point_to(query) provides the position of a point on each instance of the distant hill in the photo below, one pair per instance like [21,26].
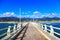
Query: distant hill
[17,19]
[44,18]
[48,18]
[9,19]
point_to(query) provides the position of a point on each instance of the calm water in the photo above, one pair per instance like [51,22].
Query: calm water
[55,25]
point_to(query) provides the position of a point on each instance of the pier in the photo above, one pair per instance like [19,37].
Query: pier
[30,31]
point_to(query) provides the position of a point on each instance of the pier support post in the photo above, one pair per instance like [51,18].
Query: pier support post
[45,29]
[8,31]
[18,26]
[14,29]
[51,31]
[21,25]
[42,26]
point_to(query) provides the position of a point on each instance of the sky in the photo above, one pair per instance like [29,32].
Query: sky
[30,8]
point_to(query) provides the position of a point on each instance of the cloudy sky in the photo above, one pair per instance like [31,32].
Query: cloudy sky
[30,8]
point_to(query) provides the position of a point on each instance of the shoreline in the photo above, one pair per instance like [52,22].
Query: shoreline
[50,22]
[11,22]
[35,21]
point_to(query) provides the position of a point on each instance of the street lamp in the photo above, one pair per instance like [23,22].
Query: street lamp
[20,17]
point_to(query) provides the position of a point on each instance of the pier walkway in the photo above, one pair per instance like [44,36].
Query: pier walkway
[31,33]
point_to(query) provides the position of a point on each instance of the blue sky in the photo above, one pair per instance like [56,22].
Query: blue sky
[40,8]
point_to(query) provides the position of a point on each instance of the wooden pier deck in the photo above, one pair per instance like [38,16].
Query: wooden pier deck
[30,33]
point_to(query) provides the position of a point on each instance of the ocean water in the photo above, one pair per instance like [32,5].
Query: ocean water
[5,25]
[55,25]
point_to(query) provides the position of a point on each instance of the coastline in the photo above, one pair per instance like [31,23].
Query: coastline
[9,22]
[49,21]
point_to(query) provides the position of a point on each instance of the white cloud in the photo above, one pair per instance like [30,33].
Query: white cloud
[36,12]
[7,14]
[51,15]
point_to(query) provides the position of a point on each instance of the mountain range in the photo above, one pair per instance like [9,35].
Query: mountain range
[9,19]
[17,19]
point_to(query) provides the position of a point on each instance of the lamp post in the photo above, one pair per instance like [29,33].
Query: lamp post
[33,18]
[20,18]
[20,14]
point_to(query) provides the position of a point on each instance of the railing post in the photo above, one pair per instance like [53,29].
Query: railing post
[42,26]
[51,31]
[18,26]
[14,29]
[45,29]
[8,31]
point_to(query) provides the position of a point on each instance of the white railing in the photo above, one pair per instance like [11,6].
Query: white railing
[52,32]
[9,31]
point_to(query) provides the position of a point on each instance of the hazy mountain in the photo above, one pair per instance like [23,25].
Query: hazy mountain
[17,19]
[8,18]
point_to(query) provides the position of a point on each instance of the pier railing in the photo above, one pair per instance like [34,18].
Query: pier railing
[46,28]
[50,29]
[10,30]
